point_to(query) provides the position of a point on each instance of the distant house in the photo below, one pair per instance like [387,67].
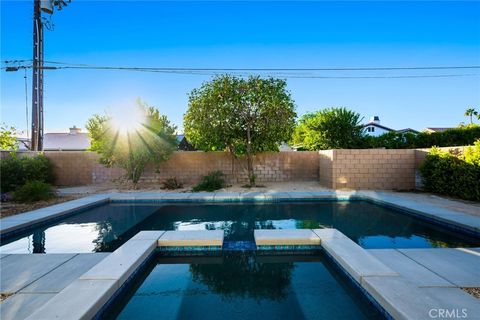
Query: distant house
[74,140]
[432,130]
[375,129]
[408,130]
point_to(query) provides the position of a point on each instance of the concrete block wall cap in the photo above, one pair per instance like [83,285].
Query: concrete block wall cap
[82,299]
[358,262]
[191,238]
[148,235]
[286,237]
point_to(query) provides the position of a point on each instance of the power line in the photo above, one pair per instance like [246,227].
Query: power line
[66,65]
[295,73]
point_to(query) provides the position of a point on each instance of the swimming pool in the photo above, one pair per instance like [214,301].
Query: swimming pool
[242,286]
[104,228]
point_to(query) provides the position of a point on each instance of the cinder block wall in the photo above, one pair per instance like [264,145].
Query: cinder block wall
[190,167]
[368,169]
[73,168]
[325,167]
[344,168]
[374,169]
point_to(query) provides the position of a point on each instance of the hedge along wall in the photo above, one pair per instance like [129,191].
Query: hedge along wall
[74,168]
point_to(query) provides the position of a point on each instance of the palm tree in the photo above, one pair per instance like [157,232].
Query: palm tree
[470,112]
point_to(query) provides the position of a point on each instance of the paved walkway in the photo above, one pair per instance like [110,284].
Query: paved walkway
[438,274]
[33,279]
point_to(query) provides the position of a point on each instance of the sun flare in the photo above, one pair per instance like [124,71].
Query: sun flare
[128,119]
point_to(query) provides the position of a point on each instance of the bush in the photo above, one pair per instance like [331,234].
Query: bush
[34,191]
[461,136]
[17,171]
[211,182]
[330,128]
[171,184]
[451,174]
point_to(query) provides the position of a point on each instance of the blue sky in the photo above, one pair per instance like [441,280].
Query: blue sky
[249,35]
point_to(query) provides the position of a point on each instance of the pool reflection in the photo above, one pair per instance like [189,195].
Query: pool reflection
[105,228]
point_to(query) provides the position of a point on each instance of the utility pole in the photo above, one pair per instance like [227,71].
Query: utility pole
[37,68]
[36,143]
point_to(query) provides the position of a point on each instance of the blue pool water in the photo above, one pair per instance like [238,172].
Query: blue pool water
[243,286]
[106,227]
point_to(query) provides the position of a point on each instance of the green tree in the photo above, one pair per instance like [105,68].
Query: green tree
[133,139]
[242,116]
[331,128]
[8,140]
[470,112]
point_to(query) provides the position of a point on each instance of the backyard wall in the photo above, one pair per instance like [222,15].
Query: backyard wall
[73,168]
[368,169]
[343,168]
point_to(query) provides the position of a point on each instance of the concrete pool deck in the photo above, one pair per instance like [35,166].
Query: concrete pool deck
[33,279]
[404,283]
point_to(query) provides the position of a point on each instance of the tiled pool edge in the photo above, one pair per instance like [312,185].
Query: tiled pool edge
[10,226]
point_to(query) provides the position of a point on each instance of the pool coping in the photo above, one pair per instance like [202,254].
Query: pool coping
[454,220]
[90,295]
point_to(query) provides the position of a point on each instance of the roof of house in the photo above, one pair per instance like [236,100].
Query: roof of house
[66,141]
[377,125]
[436,129]
[407,130]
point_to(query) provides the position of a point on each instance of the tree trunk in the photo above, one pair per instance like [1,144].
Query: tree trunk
[251,174]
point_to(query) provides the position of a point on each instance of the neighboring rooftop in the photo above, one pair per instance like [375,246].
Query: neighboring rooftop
[431,130]
[73,140]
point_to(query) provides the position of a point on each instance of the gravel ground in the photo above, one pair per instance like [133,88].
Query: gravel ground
[473,291]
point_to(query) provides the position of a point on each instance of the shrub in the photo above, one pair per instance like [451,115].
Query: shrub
[17,171]
[330,128]
[171,184]
[34,191]
[211,182]
[461,136]
[132,139]
[456,175]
